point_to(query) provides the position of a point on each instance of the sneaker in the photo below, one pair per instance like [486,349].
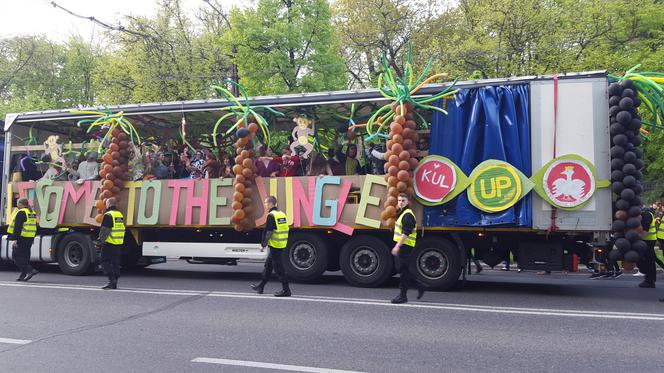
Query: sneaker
[21,277]
[283,293]
[638,274]
[618,274]
[607,275]
[399,299]
[110,285]
[595,276]
[257,288]
[29,275]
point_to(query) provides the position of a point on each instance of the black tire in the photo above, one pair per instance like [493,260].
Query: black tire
[436,262]
[366,261]
[75,252]
[306,257]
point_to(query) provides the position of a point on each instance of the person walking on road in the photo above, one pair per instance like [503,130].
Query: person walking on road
[275,236]
[659,224]
[646,262]
[23,229]
[405,236]
[111,239]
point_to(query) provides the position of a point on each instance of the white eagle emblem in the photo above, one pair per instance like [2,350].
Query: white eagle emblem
[568,188]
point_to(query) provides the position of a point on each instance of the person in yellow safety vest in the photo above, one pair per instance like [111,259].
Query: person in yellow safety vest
[23,229]
[405,236]
[275,235]
[646,262]
[110,241]
[660,223]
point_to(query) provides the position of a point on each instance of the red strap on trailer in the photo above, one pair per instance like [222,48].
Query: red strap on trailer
[553,227]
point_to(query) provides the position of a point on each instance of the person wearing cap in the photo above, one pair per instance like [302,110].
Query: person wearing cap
[23,229]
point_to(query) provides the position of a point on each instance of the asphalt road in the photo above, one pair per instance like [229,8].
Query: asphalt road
[177,317]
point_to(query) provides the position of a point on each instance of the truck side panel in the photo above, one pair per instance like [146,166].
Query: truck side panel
[582,127]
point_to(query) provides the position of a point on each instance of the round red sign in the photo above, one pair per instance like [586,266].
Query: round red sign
[568,183]
[435,178]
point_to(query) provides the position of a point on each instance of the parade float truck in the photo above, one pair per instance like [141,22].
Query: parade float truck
[518,165]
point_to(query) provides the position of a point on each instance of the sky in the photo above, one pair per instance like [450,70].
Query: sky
[20,17]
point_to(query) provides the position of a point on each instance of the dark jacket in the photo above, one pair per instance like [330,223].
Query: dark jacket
[270,225]
[646,219]
[19,220]
[408,223]
[342,162]
[108,219]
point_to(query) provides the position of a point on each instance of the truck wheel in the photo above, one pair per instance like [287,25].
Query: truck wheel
[307,257]
[365,261]
[75,254]
[436,262]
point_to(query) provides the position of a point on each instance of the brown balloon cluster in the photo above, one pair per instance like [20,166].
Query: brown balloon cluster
[401,160]
[245,173]
[114,170]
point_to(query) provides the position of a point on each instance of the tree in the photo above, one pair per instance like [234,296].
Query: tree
[162,59]
[30,68]
[286,46]
[369,28]
[77,73]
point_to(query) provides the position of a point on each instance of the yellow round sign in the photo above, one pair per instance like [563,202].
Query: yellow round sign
[494,188]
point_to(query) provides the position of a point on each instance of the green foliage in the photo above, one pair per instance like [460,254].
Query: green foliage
[163,59]
[286,46]
[282,46]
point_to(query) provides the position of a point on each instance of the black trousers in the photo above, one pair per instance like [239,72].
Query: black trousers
[274,262]
[473,258]
[405,277]
[646,263]
[21,254]
[110,260]
[659,262]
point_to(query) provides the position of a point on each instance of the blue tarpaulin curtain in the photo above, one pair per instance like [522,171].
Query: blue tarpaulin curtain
[483,123]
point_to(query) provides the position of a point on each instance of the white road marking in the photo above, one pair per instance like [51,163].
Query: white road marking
[363,302]
[15,341]
[258,364]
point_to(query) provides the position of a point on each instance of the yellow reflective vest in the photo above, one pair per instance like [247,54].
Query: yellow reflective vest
[279,238]
[651,235]
[29,229]
[660,230]
[118,231]
[398,230]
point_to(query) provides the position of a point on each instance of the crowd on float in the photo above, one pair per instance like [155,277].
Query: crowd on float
[151,161]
